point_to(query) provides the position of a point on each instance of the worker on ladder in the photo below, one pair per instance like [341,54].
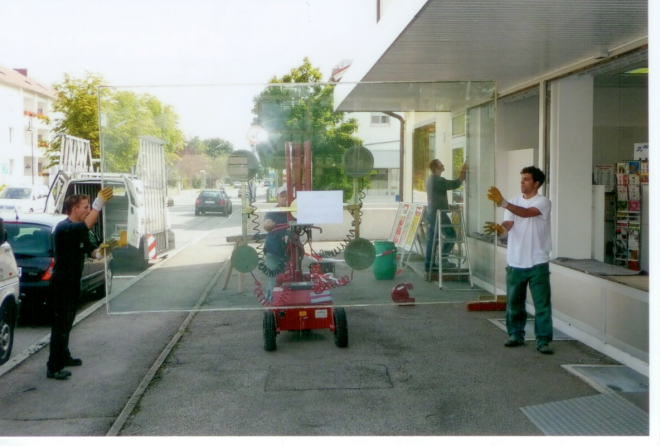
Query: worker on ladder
[436,190]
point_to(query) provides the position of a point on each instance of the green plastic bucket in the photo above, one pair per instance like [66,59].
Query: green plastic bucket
[385,264]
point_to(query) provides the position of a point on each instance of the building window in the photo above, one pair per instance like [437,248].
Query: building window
[11,134]
[458,125]
[378,119]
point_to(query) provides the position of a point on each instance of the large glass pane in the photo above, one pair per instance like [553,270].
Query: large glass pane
[190,204]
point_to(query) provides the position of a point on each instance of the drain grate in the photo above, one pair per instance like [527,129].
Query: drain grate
[601,415]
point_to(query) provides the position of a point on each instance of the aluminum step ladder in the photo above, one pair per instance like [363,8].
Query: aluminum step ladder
[459,254]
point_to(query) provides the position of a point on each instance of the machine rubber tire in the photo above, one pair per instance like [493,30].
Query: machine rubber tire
[7,326]
[270,331]
[341,327]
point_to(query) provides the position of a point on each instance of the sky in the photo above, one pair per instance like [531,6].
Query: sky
[184,43]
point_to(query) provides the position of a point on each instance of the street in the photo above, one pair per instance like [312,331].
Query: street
[187,228]
[408,370]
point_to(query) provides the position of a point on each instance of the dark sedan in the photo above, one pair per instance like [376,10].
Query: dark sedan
[30,236]
[212,200]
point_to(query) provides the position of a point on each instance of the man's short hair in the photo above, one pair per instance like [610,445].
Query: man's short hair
[537,174]
[433,164]
[72,201]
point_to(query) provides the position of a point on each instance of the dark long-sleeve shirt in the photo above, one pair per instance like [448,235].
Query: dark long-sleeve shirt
[436,190]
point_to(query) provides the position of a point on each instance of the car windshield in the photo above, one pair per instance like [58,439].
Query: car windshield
[29,239]
[210,194]
[16,193]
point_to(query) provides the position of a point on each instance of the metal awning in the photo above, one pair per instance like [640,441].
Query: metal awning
[511,42]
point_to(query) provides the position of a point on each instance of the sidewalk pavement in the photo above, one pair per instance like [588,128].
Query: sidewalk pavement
[425,369]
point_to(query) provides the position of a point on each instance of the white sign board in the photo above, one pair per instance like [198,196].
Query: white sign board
[317,207]
[641,151]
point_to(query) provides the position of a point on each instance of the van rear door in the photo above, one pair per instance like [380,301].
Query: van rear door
[55,199]
[135,224]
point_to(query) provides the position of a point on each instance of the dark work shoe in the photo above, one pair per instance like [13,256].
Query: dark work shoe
[73,362]
[544,348]
[62,374]
[513,342]
[448,265]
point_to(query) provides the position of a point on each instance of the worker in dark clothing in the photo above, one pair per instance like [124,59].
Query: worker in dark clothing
[436,190]
[275,246]
[71,242]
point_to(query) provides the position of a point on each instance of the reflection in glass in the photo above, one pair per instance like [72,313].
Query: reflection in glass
[196,128]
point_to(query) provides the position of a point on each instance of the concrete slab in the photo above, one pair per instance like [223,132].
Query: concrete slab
[612,378]
[530,334]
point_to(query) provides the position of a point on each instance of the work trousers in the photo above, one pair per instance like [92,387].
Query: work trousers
[272,262]
[63,304]
[448,232]
[538,279]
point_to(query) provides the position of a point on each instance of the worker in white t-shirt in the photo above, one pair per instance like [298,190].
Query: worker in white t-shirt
[527,226]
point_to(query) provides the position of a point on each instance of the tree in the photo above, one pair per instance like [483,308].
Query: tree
[125,116]
[77,100]
[300,113]
[217,147]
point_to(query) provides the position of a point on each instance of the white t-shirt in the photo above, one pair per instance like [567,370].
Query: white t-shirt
[530,240]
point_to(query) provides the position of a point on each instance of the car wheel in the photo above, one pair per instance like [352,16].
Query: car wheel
[196,211]
[341,327]
[7,323]
[270,331]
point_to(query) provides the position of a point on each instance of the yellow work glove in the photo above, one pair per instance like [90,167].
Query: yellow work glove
[491,228]
[495,195]
[108,246]
[105,194]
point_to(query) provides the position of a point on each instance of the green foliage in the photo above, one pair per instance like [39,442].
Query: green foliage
[126,116]
[129,116]
[77,100]
[216,147]
[299,113]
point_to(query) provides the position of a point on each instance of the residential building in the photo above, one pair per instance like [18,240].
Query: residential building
[25,128]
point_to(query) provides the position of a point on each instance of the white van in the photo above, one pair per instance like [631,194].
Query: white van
[9,295]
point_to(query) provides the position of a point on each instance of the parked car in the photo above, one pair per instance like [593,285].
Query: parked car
[170,201]
[30,236]
[237,184]
[24,198]
[9,295]
[213,200]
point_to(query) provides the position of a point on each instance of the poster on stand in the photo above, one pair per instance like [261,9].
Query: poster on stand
[399,223]
[414,226]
